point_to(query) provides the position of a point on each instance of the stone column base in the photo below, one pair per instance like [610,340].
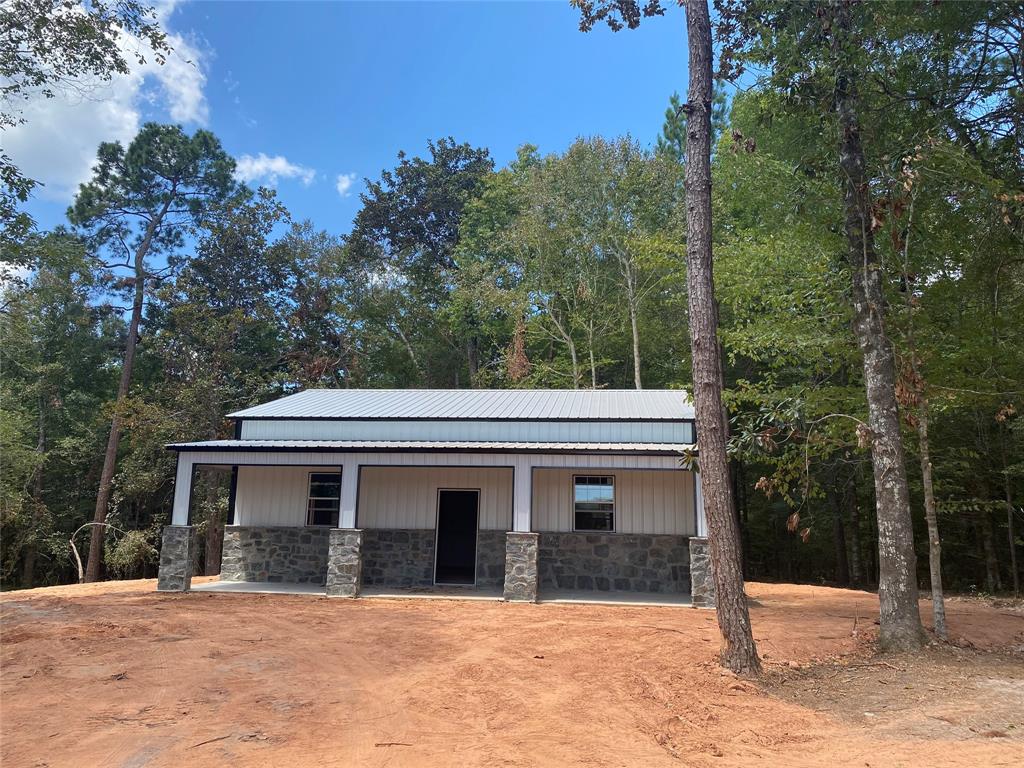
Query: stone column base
[345,562]
[176,555]
[702,583]
[521,566]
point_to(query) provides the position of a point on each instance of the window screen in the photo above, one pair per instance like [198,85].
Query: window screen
[594,503]
[324,499]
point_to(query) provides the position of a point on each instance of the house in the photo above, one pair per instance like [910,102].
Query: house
[516,492]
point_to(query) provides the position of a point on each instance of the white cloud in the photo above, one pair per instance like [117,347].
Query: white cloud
[57,143]
[268,170]
[344,183]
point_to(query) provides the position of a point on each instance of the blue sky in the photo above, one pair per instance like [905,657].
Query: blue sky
[302,93]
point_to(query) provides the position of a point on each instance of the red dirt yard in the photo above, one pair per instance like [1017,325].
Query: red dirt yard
[117,675]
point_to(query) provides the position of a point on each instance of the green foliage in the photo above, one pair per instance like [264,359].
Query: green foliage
[49,46]
[131,553]
[536,274]
[146,195]
[672,138]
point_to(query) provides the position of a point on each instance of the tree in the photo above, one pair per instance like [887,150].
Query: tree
[408,228]
[779,37]
[138,204]
[51,45]
[56,361]
[217,331]
[672,139]
[739,652]
[900,627]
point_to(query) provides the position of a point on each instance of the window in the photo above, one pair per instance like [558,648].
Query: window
[594,503]
[324,498]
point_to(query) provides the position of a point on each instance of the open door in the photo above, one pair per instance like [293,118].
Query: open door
[455,552]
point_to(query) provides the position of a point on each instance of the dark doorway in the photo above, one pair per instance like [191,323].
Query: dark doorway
[456,537]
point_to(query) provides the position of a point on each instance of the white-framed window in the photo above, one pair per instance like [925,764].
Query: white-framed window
[324,501]
[593,502]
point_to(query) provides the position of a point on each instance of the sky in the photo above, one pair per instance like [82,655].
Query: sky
[311,98]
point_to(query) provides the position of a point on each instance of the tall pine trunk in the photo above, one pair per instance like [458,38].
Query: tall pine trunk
[900,617]
[739,652]
[92,569]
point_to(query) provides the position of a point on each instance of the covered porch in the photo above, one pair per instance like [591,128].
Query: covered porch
[496,521]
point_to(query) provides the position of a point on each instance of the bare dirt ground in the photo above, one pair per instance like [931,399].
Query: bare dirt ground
[117,675]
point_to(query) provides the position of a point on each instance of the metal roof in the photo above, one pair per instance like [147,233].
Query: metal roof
[479,404]
[430,445]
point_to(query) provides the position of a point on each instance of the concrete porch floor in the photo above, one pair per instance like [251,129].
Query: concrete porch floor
[583,596]
[261,587]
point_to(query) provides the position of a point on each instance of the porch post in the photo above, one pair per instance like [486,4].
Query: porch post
[521,543]
[349,493]
[182,489]
[345,563]
[522,495]
[345,551]
[177,553]
[702,583]
[178,547]
[702,521]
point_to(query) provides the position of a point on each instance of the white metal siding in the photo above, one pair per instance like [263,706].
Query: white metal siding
[273,495]
[527,431]
[646,501]
[406,497]
[522,463]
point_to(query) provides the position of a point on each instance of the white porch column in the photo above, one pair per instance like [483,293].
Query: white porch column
[182,489]
[349,493]
[522,495]
[702,522]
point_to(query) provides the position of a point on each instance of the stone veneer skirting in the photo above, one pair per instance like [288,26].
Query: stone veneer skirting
[398,557]
[275,553]
[404,557]
[614,561]
[490,559]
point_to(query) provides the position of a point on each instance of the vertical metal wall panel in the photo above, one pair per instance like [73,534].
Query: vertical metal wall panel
[273,495]
[646,501]
[406,497]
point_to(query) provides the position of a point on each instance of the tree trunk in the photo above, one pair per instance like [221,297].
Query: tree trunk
[924,448]
[473,358]
[590,351]
[214,529]
[856,567]
[993,580]
[931,518]
[1008,496]
[900,618]
[28,567]
[570,345]
[739,653]
[741,503]
[409,349]
[92,570]
[634,327]
[842,572]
